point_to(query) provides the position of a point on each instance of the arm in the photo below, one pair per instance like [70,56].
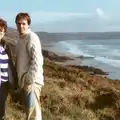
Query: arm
[35,53]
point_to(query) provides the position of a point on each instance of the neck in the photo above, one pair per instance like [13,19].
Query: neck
[22,35]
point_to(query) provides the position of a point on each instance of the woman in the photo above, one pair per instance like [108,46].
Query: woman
[3,70]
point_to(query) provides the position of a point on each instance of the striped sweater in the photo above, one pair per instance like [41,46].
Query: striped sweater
[3,65]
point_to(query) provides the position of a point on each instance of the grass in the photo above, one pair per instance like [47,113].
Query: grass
[73,94]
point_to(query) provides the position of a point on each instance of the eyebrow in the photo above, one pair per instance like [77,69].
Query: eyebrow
[20,23]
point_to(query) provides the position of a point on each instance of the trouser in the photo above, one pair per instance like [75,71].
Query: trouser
[32,101]
[3,97]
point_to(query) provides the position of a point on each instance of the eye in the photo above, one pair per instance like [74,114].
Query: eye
[18,23]
[21,24]
[24,23]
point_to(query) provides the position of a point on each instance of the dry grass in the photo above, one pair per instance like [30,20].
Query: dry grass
[73,94]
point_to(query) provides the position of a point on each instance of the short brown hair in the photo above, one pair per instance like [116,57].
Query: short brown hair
[23,15]
[3,24]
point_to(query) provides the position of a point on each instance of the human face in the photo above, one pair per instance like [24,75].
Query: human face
[2,32]
[22,26]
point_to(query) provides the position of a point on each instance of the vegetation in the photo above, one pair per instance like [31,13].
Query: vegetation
[73,93]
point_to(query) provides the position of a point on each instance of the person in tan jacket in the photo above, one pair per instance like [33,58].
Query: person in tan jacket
[29,65]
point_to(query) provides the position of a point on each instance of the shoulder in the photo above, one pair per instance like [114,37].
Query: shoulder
[33,38]
[33,35]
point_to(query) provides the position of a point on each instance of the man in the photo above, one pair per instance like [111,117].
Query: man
[29,65]
[3,70]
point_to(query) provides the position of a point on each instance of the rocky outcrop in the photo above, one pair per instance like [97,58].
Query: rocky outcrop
[54,57]
[91,70]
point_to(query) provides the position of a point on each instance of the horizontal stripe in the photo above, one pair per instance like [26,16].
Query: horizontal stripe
[4,56]
[3,61]
[4,78]
[2,81]
[4,74]
[4,69]
[4,65]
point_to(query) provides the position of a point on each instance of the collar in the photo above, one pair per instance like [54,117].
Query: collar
[22,36]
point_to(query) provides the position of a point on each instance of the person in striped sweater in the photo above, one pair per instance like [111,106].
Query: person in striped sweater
[3,70]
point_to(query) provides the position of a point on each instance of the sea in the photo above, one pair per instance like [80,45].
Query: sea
[103,54]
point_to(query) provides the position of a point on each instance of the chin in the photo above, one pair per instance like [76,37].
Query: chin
[22,33]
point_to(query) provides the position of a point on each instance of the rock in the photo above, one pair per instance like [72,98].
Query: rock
[54,57]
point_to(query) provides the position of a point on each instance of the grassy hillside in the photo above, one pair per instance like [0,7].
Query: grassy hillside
[73,93]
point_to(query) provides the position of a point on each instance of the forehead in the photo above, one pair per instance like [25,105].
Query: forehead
[22,21]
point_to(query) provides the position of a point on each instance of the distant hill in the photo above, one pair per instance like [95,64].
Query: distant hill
[11,36]
[79,35]
[49,37]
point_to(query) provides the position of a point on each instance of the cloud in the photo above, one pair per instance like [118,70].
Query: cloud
[43,17]
[61,14]
[74,21]
[101,13]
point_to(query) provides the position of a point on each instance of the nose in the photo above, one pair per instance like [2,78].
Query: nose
[21,25]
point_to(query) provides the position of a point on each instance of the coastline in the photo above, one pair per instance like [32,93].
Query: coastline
[112,72]
[69,60]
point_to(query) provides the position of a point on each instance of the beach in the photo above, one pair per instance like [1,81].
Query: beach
[102,54]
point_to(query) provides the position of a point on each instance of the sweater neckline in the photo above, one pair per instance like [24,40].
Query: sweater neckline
[23,36]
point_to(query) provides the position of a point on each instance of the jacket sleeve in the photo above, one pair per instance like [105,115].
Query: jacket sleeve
[36,59]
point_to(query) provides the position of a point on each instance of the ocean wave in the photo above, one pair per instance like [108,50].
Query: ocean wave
[101,47]
[111,62]
[114,52]
[99,52]
[72,48]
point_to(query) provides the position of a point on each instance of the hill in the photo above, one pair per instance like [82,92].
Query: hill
[72,93]
[78,36]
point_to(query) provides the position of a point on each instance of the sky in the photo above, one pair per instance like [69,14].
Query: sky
[65,15]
